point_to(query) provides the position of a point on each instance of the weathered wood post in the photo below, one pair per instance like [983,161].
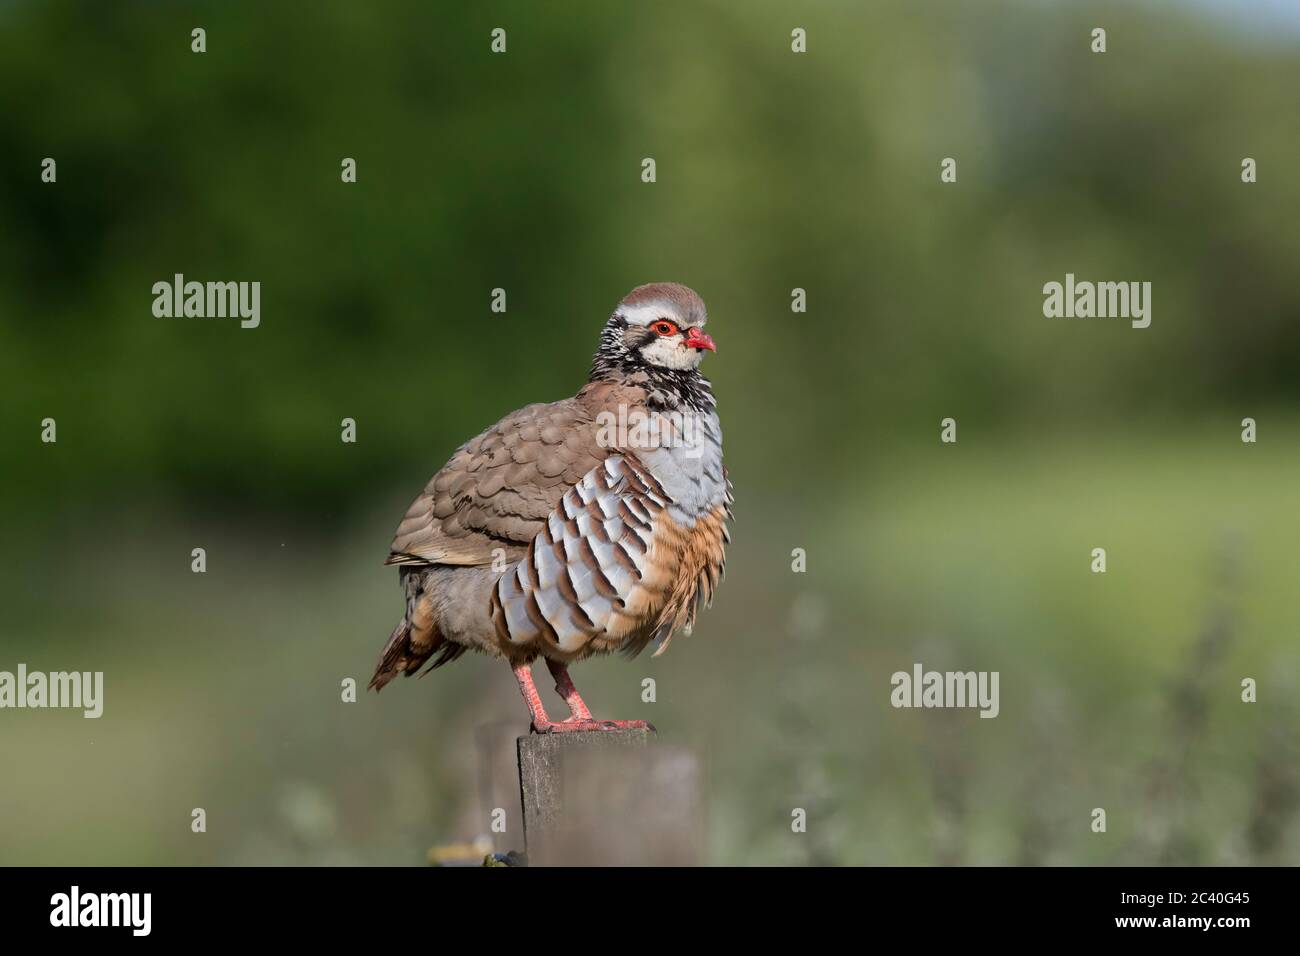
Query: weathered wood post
[609,798]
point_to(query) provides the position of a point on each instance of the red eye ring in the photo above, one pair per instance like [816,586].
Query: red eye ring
[663,327]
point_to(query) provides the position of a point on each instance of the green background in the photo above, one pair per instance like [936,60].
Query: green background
[775,171]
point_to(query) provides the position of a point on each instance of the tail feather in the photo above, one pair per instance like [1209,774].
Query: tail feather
[416,637]
[446,653]
[395,657]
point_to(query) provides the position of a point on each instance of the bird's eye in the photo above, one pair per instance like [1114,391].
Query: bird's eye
[664,327]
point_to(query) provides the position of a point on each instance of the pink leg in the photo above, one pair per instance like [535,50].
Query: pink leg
[564,687]
[524,674]
[580,719]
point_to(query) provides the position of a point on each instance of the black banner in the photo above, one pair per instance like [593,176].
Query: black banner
[332,905]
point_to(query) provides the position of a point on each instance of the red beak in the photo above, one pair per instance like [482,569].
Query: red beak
[698,339]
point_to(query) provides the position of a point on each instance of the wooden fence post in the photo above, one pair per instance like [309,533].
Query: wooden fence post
[609,798]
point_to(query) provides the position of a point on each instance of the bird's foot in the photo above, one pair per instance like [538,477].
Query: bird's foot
[574,725]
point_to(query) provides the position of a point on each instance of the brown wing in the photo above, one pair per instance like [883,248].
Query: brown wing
[497,491]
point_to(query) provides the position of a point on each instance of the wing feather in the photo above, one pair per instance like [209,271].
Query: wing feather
[498,490]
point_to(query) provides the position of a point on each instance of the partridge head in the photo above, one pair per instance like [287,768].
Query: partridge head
[658,326]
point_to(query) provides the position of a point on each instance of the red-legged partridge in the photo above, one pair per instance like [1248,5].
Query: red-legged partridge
[588,525]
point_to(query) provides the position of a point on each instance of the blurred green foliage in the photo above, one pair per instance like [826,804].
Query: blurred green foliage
[775,171]
[521,171]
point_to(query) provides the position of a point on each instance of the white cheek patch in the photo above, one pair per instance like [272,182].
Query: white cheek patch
[669,352]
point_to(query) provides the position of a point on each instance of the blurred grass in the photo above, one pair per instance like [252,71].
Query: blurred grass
[223,689]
